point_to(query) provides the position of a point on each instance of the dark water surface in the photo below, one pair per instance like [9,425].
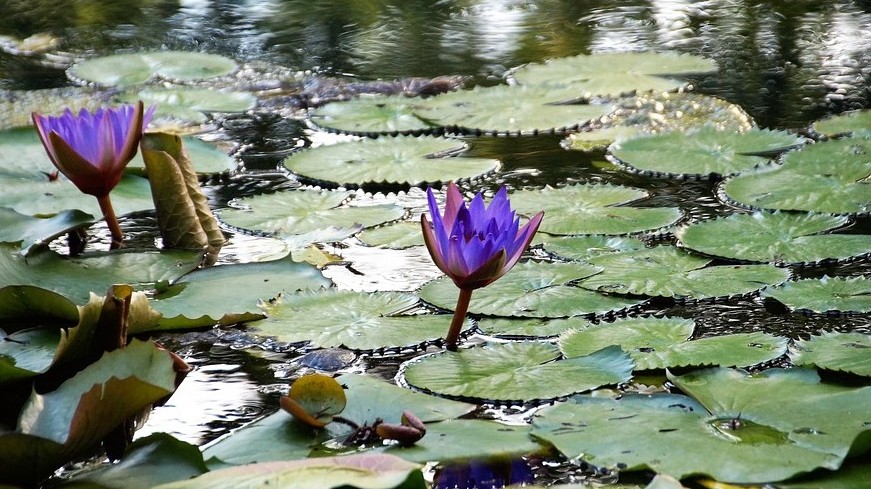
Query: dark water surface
[786,62]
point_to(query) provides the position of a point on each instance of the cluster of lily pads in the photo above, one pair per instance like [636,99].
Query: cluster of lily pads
[566,335]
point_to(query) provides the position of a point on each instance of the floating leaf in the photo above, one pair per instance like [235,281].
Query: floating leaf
[828,294]
[659,343]
[667,271]
[71,421]
[123,70]
[397,236]
[369,471]
[229,294]
[832,176]
[778,237]
[585,247]
[355,320]
[537,328]
[28,304]
[517,372]
[75,278]
[392,160]
[753,428]
[613,73]
[842,352]
[27,353]
[314,399]
[592,209]
[371,115]
[298,212]
[34,231]
[701,152]
[190,104]
[506,109]
[855,122]
[532,290]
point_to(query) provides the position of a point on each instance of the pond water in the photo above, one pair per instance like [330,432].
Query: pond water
[786,62]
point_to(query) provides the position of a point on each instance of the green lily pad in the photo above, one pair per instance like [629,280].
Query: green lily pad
[592,209]
[585,247]
[389,160]
[298,212]
[667,271]
[27,353]
[369,471]
[506,109]
[123,70]
[523,371]
[279,437]
[842,352]
[828,294]
[529,328]
[192,104]
[659,343]
[832,176]
[753,428]
[354,320]
[532,290]
[229,294]
[70,421]
[369,115]
[29,305]
[148,462]
[855,122]
[775,237]
[701,153]
[32,232]
[614,73]
[75,278]
[851,474]
[395,236]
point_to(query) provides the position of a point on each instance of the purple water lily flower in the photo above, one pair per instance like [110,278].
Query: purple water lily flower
[92,149]
[474,245]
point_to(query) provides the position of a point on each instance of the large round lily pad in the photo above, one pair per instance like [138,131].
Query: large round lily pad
[613,73]
[122,70]
[592,209]
[832,176]
[775,237]
[506,109]
[355,320]
[371,115]
[523,371]
[667,271]
[389,160]
[701,153]
[532,290]
[825,295]
[659,343]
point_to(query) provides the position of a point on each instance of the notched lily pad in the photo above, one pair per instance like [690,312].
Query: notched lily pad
[396,236]
[529,328]
[832,176]
[842,352]
[613,74]
[585,247]
[123,70]
[856,122]
[389,160]
[660,343]
[700,153]
[192,104]
[775,237]
[593,209]
[506,110]
[533,290]
[354,320]
[372,115]
[524,371]
[825,295]
[666,271]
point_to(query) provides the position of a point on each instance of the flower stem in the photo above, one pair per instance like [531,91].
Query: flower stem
[111,221]
[459,317]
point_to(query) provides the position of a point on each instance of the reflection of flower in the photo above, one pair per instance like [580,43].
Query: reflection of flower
[92,149]
[474,245]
